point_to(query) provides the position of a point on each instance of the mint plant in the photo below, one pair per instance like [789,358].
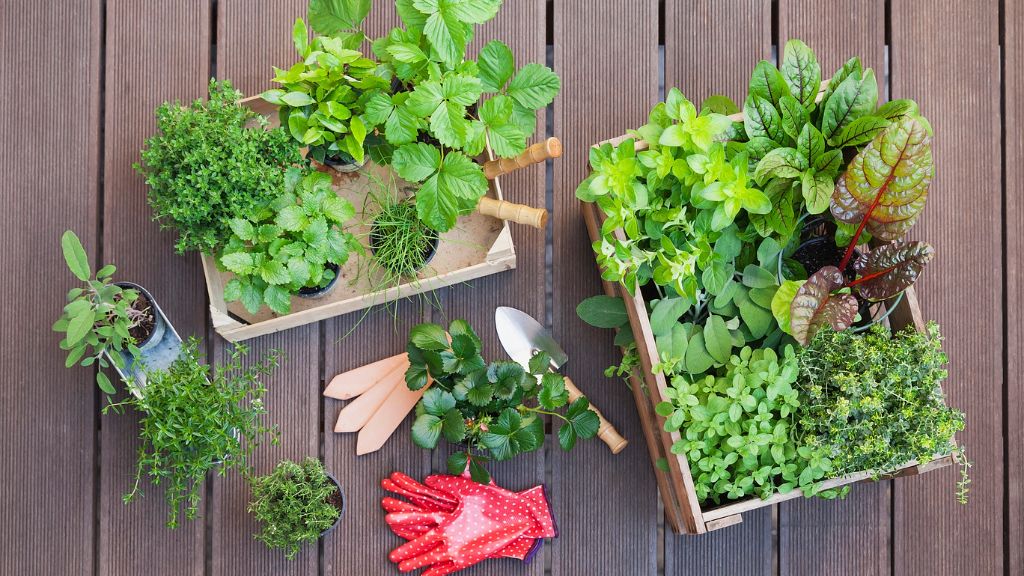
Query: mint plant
[322,98]
[495,410]
[294,504]
[212,161]
[288,245]
[194,421]
[100,317]
[432,117]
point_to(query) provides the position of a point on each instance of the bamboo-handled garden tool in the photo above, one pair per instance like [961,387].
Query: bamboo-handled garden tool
[522,336]
[518,213]
[539,152]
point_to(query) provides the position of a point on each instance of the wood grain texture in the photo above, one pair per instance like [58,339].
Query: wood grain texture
[825,536]
[50,72]
[293,397]
[251,38]
[520,25]
[1013,82]
[962,288]
[711,46]
[704,57]
[171,64]
[607,55]
[856,28]
[361,542]
[742,549]
[850,536]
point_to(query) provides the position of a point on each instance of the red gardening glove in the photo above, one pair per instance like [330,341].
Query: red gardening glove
[411,520]
[487,522]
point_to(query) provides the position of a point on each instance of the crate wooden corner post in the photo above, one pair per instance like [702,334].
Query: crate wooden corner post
[477,246]
[675,482]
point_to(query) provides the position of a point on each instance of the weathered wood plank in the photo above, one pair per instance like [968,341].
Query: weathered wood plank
[49,425]
[251,38]
[171,64]
[705,56]
[932,533]
[361,542]
[819,536]
[711,46]
[520,25]
[1013,82]
[606,53]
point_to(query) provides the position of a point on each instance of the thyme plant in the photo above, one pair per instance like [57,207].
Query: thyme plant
[294,504]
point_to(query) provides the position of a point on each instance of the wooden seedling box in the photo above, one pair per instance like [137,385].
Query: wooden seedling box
[683,511]
[477,246]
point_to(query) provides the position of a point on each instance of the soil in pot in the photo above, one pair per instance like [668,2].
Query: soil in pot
[400,242]
[318,292]
[820,251]
[143,314]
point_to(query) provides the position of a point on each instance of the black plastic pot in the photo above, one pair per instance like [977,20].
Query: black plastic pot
[321,292]
[159,350]
[341,506]
[345,164]
[816,252]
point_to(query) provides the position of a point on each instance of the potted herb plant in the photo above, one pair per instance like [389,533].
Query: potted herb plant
[745,235]
[322,99]
[212,162]
[296,504]
[495,410]
[295,245]
[107,323]
[195,420]
[400,243]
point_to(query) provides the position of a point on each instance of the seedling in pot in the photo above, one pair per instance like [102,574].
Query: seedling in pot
[296,504]
[101,318]
[294,243]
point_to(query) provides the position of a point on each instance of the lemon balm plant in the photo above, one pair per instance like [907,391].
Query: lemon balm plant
[295,243]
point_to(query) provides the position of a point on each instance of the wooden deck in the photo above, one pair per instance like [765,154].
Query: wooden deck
[80,79]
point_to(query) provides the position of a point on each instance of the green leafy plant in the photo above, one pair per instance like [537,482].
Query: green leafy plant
[434,119]
[400,241]
[874,401]
[496,410]
[99,318]
[883,190]
[213,161]
[194,421]
[797,140]
[736,428]
[294,504]
[288,245]
[322,99]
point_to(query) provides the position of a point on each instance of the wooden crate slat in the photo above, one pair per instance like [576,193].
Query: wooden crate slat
[172,63]
[821,536]
[249,42]
[1013,82]
[606,54]
[50,67]
[962,288]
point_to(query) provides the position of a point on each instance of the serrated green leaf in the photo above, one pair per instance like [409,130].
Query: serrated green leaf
[552,393]
[238,262]
[429,337]
[534,86]
[278,299]
[426,431]
[416,162]
[496,66]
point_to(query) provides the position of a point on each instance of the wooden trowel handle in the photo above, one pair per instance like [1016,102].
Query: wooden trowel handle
[606,432]
[539,152]
[518,213]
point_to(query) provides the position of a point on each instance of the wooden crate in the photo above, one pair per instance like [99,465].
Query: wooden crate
[477,246]
[682,510]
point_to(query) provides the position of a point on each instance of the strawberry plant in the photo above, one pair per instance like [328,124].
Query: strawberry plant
[429,110]
[495,410]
